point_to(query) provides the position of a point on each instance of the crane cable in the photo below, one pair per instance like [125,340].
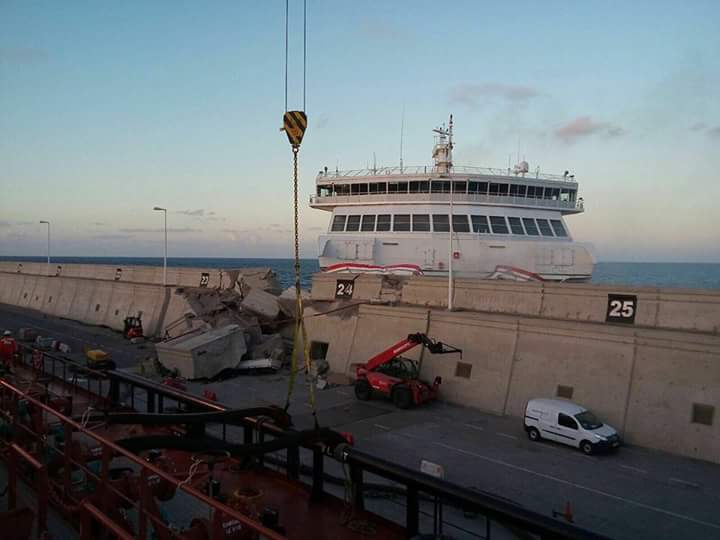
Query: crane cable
[294,125]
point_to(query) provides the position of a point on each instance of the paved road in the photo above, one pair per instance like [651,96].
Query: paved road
[633,494]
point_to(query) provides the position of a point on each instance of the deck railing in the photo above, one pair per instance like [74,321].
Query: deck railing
[415,170]
[424,198]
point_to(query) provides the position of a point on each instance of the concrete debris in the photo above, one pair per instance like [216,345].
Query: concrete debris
[261,303]
[321,384]
[268,347]
[318,367]
[259,278]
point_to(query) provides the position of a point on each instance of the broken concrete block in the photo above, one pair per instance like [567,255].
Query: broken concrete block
[268,344]
[318,367]
[321,384]
[261,303]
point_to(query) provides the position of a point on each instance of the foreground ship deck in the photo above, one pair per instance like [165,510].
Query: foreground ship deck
[78,438]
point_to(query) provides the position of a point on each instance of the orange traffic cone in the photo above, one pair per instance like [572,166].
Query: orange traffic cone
[566,514]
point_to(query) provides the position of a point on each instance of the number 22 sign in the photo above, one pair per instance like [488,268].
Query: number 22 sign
[621,308]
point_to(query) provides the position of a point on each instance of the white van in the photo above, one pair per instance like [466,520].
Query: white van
[568,423]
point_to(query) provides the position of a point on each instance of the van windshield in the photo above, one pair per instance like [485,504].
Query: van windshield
[588,420]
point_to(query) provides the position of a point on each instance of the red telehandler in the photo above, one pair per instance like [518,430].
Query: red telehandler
[398,378]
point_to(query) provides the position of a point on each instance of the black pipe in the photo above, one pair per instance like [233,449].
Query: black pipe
[231,416]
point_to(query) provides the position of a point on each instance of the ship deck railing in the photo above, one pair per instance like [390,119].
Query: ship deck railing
[417,170]
[424,198]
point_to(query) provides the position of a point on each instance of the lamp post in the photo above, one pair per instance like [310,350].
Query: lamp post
[48,245]
[164,211]
[451,254]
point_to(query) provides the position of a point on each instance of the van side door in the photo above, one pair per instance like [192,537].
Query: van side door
[567,430]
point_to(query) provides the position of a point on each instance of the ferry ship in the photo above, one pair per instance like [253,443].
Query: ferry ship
[506,223]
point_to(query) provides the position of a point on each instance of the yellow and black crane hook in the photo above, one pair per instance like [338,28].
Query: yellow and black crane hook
[294,125]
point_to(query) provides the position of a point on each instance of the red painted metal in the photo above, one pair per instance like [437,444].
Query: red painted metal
[110,448]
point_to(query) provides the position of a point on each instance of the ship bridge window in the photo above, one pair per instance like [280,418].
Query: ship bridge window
[544,226]
[515,225]
[441,222]
[383,222]
[565,195]
[359,189]
[478,187]
[438,186]
[353,224]
[420,187]
[368,223]
[558,227]
[517,190]
[401,222]
[460,187]
[342,189]
[554,193]
[530,226]
[498,224]
[397,187]
[378,187]
[460,223]
[338,224]
[480,224]
[498,189]
[531,192]
[421,222]
[324,191]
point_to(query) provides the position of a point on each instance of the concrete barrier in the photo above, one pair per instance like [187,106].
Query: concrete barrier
[677,309]
[176,276]
[647,382]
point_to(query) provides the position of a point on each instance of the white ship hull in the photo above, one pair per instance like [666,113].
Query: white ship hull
[473,256]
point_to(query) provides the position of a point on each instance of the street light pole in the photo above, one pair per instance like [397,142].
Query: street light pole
[48,245]
[164,210]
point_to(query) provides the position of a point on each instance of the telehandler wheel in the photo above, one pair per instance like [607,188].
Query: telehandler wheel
[362,390]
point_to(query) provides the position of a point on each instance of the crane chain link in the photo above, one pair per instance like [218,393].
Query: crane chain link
[300,330]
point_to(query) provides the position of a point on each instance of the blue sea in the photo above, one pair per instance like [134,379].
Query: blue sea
[684,275]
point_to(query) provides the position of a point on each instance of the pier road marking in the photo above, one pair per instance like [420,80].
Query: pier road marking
[581,487]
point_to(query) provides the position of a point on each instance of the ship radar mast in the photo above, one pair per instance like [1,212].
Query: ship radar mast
[442,152]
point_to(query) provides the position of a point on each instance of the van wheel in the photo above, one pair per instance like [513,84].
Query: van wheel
[362,390]
[586,448]
[402,398]
[533,434]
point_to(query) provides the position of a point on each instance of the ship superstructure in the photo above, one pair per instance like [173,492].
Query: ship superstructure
[504,221]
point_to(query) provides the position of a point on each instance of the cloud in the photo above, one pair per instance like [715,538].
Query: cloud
[714,132]
[98,224]
[4,223]
[700,126]
[113,237]
[585,126]
[200,212]
[170,230]
[22,56]
[470,94]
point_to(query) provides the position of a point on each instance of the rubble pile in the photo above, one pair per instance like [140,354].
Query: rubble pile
[238,327]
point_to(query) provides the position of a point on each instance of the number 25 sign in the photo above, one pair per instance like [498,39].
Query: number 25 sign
[621,308]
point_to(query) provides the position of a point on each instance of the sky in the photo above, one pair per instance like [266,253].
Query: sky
[108,109]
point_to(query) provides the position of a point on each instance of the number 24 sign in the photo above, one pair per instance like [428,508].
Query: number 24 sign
[344,288]
[621,308]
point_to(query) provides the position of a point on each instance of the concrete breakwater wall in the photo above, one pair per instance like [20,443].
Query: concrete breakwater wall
[92,301]
[106,294]
[676,309]
[656,380]
[149,275]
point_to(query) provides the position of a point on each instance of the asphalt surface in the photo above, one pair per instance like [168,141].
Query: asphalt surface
[634,493]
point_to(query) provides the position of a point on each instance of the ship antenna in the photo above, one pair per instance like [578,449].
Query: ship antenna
[402,131]
[374,163]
